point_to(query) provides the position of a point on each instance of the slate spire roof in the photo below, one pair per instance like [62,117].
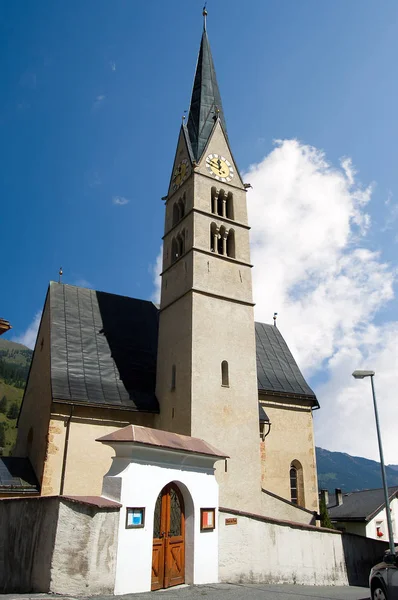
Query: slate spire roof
[205,101]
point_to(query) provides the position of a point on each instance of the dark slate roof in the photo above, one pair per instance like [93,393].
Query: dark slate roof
[103,348]
[277,371]
[205,101]
[262,415]
[359,506]
[17,475]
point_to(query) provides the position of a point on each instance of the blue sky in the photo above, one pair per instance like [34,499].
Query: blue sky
[91,104]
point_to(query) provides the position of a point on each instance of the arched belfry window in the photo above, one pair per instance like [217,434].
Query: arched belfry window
[229,206]
[176,213]
[231,243]
[214,199]
[174,250]
[224,374]
[296,483]
[213,237]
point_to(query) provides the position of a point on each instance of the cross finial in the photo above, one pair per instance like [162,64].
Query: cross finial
[204,13]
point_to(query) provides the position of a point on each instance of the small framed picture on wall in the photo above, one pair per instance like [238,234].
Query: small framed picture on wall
[207,519]
[135,518]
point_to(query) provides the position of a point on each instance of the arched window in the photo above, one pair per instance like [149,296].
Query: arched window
[173,377]
[296,483]
[224,373]
[213,237]
[221,203]
[231,243]
[214,199]
[221,242]
[181,243]
[293,485]
[174,250]
[176,213]
[181,205]
[230,206]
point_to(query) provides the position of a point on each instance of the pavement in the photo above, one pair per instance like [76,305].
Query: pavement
[227,591]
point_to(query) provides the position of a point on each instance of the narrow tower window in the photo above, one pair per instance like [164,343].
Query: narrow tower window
[213,237]
[293,485]
[174,250]
[296,483]
[173,377]
[224,374]
[231,243]
[181,205]
[214,199]
[221,203]
[230,206]
[176,213]
[222,241]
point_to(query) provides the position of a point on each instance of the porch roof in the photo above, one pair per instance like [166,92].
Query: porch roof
[147,436]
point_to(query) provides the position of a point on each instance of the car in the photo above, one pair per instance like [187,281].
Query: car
[383,578]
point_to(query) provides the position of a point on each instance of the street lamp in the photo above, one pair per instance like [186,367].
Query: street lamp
[362,375]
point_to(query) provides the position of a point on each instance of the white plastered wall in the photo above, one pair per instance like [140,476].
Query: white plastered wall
[136,477]
[380,519]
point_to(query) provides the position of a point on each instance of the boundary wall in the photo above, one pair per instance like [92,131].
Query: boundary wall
[257,549]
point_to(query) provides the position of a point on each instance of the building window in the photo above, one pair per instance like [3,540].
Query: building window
[178,246]
[231,243]
[222,203]
[173,377]
[176,213]
[293,485]
[224,374]
[296,483]
[229,210]
[178,210]
[222,240]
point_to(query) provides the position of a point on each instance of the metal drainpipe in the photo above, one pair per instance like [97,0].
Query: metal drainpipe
[61,490]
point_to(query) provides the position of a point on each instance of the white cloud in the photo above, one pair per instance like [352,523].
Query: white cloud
[98,101]
[28,337]
[112,65]
[120,200]
[309,221]
[155,271]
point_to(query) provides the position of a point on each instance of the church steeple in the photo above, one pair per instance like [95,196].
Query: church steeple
[206,103]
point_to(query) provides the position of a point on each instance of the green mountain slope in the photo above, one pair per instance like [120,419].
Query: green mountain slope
[350,473]
[14,368]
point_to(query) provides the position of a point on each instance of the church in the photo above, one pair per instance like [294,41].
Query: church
[172,414]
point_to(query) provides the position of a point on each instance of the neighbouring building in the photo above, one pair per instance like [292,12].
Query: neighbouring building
[363,512]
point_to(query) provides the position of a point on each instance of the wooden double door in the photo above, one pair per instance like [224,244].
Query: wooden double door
[168,554]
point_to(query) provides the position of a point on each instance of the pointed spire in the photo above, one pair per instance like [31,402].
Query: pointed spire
[206,106]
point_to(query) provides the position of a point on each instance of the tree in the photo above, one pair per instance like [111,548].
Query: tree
[3,405]
[325,519]
[13,411]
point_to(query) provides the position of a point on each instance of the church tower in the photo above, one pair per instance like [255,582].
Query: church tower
[206,368]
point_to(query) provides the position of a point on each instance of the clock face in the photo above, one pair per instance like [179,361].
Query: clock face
[219,167]
[180,174]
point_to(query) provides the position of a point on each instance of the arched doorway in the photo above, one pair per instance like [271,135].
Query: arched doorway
[168,555]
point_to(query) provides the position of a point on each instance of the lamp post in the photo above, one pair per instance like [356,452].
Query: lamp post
[362,375]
